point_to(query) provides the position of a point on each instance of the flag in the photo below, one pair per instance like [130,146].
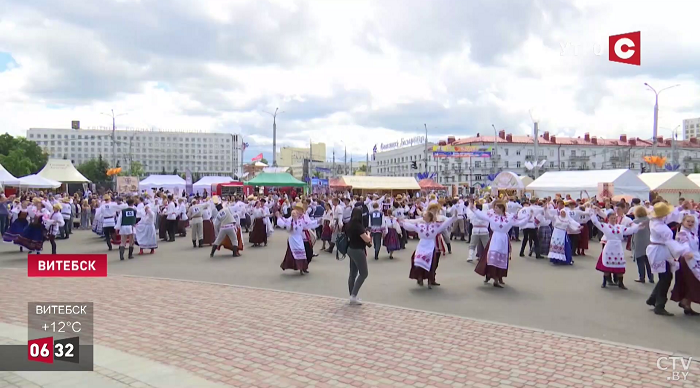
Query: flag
[259,157]
[188,181]
[244,146]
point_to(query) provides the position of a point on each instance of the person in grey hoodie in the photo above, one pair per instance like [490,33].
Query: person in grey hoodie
[640,241]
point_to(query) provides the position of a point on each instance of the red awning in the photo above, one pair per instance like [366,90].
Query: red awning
[429,184]
[337,183]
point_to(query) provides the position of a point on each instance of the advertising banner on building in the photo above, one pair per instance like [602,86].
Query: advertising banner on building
[462,151]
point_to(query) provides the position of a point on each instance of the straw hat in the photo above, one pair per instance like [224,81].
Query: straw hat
[434,207]
[298,207]
[65,200]
[251,197]
[57,207]
[399,197]
[661,210]
[216,199]
[106,197]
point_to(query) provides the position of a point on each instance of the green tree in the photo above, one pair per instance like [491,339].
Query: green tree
[17,163]
[36,157]
[363,168]
[95,170]
[136,169]
[263,160]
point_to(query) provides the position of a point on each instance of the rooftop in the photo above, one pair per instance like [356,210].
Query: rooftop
[587,140]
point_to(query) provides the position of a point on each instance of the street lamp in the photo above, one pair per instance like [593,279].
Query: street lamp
[114,137]
[656,117]
[535,116]
[495,147]
[274,135]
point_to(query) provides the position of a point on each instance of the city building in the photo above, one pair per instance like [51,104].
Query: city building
[513,151]
[204,153]
[691,128]
[295,156]
[327,169]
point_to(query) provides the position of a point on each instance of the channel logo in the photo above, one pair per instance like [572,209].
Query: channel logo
[626,48]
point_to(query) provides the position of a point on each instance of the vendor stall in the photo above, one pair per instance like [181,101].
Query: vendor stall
[507,183]
[584,183]
[172,183]
[206,183]
[37,182]
[363,185]
[671,186]
[428,185]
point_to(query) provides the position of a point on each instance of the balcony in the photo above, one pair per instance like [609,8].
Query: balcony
[617,158]
[693,159]
[532,157]
[579,158]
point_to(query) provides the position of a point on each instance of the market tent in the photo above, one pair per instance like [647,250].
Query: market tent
[206,182]
[276,170]
[526,180]
[585,183]
[36,181]
[7,179]
[695,178]
[429,184]
[260,164]
[275,180]
[337,184]
[62,170]
[381,183]
[672,183]
[507,180]
[167,182]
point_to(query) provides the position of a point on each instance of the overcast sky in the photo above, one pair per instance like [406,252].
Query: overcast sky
[362,72]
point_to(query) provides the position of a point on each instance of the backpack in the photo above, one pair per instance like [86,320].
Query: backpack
[341,243]
[376,219]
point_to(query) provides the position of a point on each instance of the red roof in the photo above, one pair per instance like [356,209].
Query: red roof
[546,139]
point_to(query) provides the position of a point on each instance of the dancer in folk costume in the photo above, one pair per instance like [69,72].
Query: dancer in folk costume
[225,225]
[107,216]
[392,233]
[146,237]
[183,222]
[194,213]
[687,287]
[54,224]
[207,224]
[19,222]
[116,236]
[32,237]
[376,223]
[237,211]
[327,232]
[295,257]
[498,251]
[612,258]
[544,232]
[662,251]
[560,245]
[423,260]
[258,235]
[125,225]
[479,237]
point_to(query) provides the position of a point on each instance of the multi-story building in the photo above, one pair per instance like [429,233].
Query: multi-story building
[204,153]
[691,128]
[512,152]
[294,156]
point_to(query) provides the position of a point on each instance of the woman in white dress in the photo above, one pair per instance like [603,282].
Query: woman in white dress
[559,245]
[686,290]
[612,258]
[498,250]
[423,260]
[146,237]
[295,258]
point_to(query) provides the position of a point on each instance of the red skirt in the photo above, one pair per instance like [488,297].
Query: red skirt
[602,268]
[227,244]
[687,285]
[116,238]
[259,233]
[327,233]
[418,273]
[290,262]
[491,272]
[583,239]
[208,228]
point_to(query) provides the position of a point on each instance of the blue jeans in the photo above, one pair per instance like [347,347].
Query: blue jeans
[4,223]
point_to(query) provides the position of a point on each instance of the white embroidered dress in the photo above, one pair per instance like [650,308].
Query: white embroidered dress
[426,246]
[613,255]
[663,248]
[296,234]
[557,244]
[690,240]
[499,246]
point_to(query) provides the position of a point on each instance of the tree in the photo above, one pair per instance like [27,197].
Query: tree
[363,168]
[95,170]
[136,169]
[263,160]
[316,174]
[36,157]
[17,163]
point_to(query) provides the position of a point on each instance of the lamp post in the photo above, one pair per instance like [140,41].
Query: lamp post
[274,135]
[656,117]
[114,134]
[495,148]
[535,116]
[426,148]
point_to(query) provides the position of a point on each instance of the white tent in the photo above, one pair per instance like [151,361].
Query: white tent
[585,183]
[62,170]
[507,180]
[38,182]
[526,180]
[7,179]
[172,183]
[671,185]
[206,182]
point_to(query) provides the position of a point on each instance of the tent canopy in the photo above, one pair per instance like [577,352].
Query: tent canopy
[7,179]
[206,182]
[381,182]
[526,180]
[36,181]
[275,180]
[625,182]
[62,170]
[337,184]
[507,180]
[260,164]
[276,170]
[168,182]
[429,184]
[672,183]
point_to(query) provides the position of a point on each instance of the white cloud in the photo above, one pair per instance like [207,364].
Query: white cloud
[358,72]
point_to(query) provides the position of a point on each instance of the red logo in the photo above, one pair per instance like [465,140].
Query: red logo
[626,48]
[67,265]
[40,350]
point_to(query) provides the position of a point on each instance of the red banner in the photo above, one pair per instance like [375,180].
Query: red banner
[259,157]
[67,265]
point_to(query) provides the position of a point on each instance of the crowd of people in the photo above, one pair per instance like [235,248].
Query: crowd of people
[662,238]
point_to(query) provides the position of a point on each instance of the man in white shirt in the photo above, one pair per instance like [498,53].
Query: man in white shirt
[513,207]
[172,212]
